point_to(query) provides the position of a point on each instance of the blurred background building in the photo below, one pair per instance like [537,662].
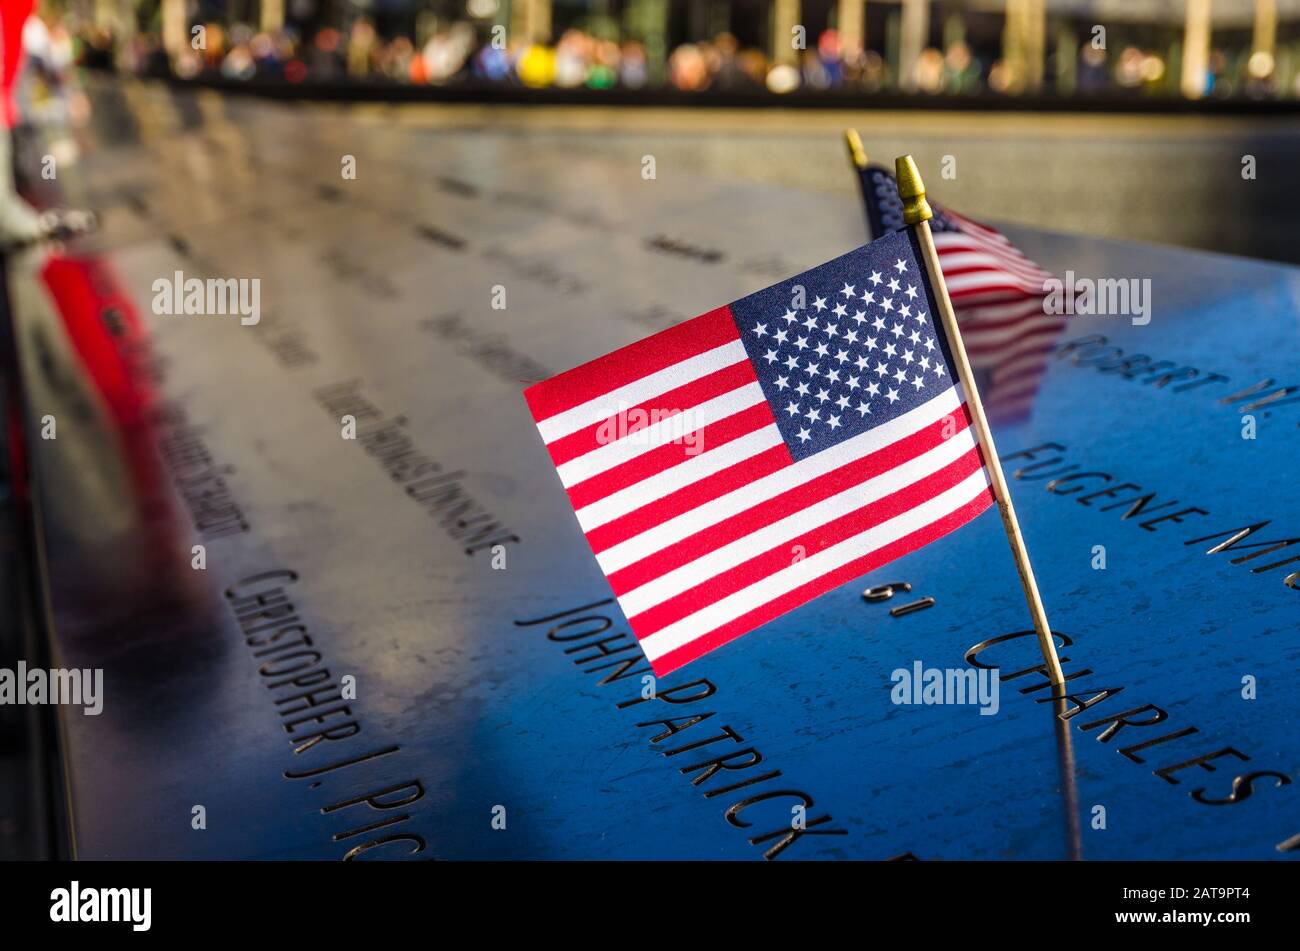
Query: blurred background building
[1076,49]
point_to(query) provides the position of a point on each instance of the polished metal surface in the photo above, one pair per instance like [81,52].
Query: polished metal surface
[484,732]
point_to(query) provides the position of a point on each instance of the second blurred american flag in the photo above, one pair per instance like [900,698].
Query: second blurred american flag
[996,291]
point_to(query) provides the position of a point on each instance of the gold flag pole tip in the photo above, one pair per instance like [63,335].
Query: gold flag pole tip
[912,190]
[857,154]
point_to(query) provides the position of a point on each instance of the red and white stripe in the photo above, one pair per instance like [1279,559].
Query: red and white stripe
[977,269]
[703,547]
[997,294]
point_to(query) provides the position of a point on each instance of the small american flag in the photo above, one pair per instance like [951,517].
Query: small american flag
[997,294]
[739,464]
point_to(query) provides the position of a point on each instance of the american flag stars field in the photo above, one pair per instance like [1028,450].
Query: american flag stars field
[860,351]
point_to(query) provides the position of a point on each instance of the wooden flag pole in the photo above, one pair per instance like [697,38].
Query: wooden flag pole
[858,157]
[917,213]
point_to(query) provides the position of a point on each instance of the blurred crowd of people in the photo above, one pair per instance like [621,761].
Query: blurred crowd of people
[40,104]
[467,53]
